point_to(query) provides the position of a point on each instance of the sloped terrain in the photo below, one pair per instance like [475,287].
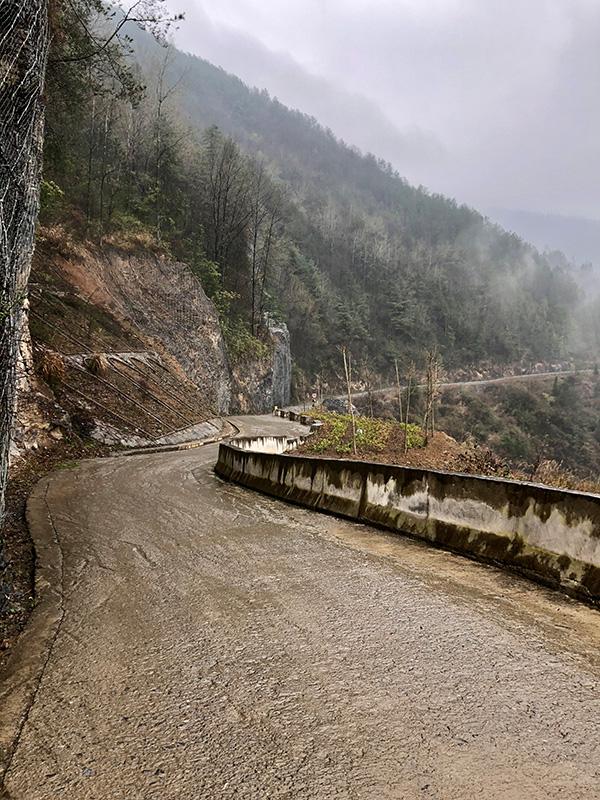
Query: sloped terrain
[114,352]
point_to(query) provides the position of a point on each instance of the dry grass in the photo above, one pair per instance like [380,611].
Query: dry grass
[51,367]
[551,473]
[135,242]
[97,364]
[62,241]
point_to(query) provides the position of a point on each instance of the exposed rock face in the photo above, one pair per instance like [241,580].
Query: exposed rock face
[163,300]
[38,418]
[260,384]
[157,335]
[282,364]
[252,383]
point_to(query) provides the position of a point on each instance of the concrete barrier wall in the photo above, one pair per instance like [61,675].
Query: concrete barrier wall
[548,534]
[268,444]
[295,416]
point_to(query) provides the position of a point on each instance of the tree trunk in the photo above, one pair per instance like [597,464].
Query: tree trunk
[408,393]
[398,390]
[23,55]
[348,372]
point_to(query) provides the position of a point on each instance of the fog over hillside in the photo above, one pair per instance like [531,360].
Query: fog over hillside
[577,237]
[389,77]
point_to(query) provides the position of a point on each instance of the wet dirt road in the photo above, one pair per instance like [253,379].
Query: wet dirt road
[215,643]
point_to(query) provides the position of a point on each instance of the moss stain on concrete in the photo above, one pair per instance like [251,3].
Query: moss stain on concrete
[547,534]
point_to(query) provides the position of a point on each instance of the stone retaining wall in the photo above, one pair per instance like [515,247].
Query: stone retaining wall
[548,534]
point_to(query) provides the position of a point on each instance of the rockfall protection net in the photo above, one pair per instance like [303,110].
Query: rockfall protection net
[23,54]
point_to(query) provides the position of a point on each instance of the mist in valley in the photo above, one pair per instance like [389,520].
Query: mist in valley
[493,103]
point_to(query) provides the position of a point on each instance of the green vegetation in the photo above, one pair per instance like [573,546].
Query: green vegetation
[551,420]
[372,435]
[274,214]
[67,465]
[240,343]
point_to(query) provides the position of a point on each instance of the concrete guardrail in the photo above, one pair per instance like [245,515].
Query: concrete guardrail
[548,534]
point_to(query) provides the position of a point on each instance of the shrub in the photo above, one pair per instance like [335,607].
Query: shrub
[51,199]
[52,367]
[97,364]
[372,434]
[415,436]
[240,343]
[515,445]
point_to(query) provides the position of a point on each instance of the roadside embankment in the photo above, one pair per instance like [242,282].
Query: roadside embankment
[547,534]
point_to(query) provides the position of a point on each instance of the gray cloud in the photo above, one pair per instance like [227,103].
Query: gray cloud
[496,102]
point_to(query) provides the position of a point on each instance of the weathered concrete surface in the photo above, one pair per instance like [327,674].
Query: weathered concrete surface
[549,534]
[214,643]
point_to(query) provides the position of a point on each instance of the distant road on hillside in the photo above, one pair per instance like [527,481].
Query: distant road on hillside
[510,379]
[464,384]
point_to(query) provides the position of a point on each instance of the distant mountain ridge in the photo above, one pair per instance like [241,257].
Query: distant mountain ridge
[577,237]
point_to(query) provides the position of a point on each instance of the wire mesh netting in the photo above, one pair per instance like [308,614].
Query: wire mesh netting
[23,54]
[182,303]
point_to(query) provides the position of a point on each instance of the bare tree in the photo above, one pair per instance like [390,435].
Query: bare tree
[433,371]
[107,168]
[259,212]
[398,390]
[348,373]
[265,214]
[163,91]
[228,199]
[370,379]
[90,164]
[411,376]
[98,43]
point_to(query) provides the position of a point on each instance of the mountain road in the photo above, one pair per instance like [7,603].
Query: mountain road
[198,640]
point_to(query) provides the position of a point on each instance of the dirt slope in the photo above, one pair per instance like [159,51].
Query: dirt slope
[124,340]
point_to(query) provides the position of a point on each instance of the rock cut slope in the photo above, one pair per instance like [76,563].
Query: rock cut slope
[125,338]
[126,341]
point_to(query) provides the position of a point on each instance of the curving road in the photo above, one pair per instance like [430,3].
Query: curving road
[213,643]
[472,384]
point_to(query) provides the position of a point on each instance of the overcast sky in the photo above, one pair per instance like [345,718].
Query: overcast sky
[495,102]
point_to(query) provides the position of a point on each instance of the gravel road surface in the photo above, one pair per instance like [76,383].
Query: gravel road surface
[215,643]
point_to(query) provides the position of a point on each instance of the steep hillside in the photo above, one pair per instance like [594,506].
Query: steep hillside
[128,345]
[554,419]
[375,254]
[547,427]
[280,220]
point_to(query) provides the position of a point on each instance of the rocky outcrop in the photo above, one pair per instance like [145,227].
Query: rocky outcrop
[282,364]
[261,383]
[251,386]
[162,300]
[130,305]
[128,343]
[39,420]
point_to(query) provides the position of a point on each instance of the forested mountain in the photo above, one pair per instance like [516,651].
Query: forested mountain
[276,215]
